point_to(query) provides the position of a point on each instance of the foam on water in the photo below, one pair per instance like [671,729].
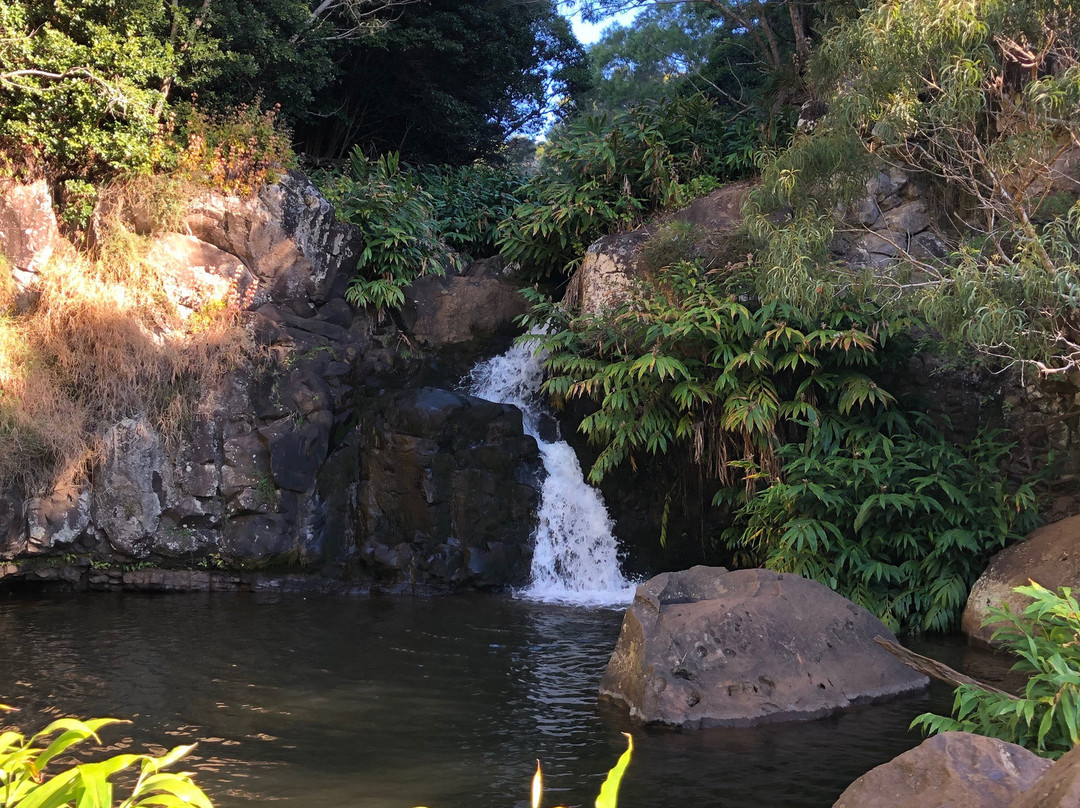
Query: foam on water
[575,557]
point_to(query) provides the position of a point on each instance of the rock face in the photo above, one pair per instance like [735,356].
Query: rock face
[950,770]
[195,272]
[610,270]
[448,491]
[892,218]
[1059,787]
[1050,556]
[28,228]
[458,310]
[612,265]
[278,464]
[708,647]
[287,236]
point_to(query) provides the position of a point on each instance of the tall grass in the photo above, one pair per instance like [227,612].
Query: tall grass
[102,342]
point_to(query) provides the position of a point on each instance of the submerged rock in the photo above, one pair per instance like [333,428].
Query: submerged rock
[709,647]
[951,769]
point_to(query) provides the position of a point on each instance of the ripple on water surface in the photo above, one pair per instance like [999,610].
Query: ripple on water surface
[395,702]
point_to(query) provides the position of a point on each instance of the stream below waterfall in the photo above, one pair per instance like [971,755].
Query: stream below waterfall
[396,702]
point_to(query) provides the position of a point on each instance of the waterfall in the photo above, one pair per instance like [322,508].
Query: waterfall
[575,556]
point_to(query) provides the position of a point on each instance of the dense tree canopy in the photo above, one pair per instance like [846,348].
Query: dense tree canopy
[448,81]
[83,86]
[641,61]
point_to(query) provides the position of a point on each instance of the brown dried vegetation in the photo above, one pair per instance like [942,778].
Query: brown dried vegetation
[103,342]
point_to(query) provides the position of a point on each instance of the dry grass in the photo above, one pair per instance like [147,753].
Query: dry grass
[103,343]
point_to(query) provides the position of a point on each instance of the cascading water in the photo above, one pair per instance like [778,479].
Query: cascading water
[575,559]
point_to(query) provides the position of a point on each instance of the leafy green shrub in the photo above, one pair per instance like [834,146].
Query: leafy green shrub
[884,510]
[673,243]
[469,202]
[946,90]
[24,782]
[605,172]
[1046,638]
[691,361]
[402,237]
[78,198]
[76,95]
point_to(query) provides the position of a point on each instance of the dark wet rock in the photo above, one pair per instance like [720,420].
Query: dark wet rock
[13,536]
[708,647]
[952,769]
[1050,556]
[254,537]
[447,492]
[298,450]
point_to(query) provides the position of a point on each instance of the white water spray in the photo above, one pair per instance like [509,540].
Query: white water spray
[575,558]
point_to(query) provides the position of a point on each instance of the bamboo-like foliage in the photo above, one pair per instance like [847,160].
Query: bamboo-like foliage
[689,361]
[1046,717]
[883,509]
[834,481]
[401,234]
[608,172]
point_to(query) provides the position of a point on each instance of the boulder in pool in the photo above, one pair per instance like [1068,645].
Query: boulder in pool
[1058,788]
[951,769]
[708,647]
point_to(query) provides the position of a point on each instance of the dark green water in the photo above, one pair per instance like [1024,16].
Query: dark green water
[397,702]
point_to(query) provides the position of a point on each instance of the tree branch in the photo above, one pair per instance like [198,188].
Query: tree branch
[84,73]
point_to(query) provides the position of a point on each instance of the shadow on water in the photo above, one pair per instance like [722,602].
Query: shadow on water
[395,702]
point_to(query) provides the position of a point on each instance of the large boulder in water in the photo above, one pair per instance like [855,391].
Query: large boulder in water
[709,647]
[951,769]
[1050,556]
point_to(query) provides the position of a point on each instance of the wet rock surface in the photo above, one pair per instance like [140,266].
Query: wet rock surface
[269,472]
[448,490]
[708,647]
[463,311]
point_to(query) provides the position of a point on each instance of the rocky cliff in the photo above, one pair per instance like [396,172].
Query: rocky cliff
[296,462]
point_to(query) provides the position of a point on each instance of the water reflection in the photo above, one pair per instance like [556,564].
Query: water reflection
[389,703]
